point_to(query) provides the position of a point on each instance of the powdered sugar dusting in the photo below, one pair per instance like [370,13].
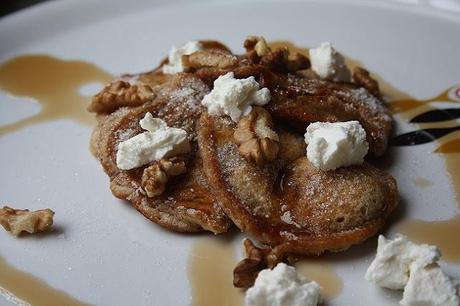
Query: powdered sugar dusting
[245,180]
[182,103]
[123,135]
[365,98]
[287,218]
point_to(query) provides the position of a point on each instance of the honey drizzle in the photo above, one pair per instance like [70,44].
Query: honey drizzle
[323,273]
[404,104]
[52,82]
[210,273]
[29,289]
[212,261]
[440,233]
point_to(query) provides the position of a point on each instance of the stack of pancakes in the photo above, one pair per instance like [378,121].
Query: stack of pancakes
[287,204]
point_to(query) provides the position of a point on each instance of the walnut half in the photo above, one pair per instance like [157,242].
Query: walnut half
[156,176]
[255,137]
[17,221]
[246,271]
[257,259]
[118,94]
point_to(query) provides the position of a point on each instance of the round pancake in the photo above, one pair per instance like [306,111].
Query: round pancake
[301,101]
[186,205]
[288,204]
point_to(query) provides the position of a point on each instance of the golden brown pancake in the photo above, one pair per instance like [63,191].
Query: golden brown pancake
[288,204]
[186,205]
[300,98]
[301,101]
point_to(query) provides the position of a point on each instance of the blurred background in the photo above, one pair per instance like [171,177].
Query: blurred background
[10,6]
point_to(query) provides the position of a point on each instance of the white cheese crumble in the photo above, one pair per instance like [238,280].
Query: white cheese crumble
[329,64]
[402,264]
[157,142]
[174,64]
[429,286]
[390,268]
[282,287]
[334,145]
[234,97]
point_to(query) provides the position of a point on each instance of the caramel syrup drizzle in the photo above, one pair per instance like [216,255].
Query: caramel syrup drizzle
[440,233]
[54,84]
[210,273]
[31,290]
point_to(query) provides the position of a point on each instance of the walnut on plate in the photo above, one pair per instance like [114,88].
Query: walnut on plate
[255,137]
[156,175]
[17,221]
[118,94]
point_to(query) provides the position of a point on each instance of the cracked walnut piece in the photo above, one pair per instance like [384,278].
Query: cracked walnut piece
[255,137]
[258,44]
[156,176]
[246,271]
[280,60]
[118,94]
[17,221]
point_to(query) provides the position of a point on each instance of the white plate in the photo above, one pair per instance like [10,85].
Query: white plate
[108,253]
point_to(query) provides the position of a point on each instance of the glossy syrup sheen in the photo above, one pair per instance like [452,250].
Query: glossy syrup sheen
[210,272]
[322,272]
[444,233]
[54,84]
[27,288]
[440,233]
